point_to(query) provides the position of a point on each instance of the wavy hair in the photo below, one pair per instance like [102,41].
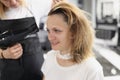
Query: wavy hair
[79,26]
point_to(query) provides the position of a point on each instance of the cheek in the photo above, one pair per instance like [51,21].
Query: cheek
[52,36]
[64,39]
[68,40]
[7,5]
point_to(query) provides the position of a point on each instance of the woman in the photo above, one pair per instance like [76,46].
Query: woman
[22,60]
[71,37]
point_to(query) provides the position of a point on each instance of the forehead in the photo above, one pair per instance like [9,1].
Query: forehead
[56,19]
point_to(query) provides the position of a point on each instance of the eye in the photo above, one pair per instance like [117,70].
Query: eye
[57,30]
[48,30]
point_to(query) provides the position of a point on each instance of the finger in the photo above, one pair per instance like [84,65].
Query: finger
[17,54]
[16,50]
[55,1]
[16,46]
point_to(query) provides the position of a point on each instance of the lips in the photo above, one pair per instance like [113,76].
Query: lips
[54,43]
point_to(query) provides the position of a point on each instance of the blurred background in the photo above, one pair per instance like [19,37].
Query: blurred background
[105,17]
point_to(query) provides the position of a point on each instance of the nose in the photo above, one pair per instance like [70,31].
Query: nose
[51,36]
[13,2]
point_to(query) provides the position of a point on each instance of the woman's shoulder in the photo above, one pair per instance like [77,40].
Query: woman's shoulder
[92,64]
[93,69]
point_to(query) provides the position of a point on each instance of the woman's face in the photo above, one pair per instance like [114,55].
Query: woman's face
[58,33]
[11,3]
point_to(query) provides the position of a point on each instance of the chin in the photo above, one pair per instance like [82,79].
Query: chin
[15,6]
[53,48]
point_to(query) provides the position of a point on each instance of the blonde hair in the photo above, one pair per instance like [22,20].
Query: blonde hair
[79,26]
[3,8]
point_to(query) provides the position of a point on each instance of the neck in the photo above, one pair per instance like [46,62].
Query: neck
[64,52]
[63,55]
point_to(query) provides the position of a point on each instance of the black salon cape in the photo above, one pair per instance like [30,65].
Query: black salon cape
[28,66]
